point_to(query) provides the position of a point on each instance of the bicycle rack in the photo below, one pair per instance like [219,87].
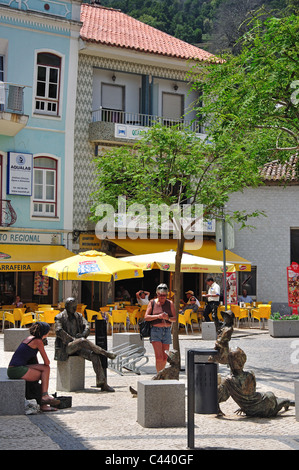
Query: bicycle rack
[128,357]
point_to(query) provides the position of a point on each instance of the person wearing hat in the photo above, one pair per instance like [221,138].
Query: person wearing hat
[190,294]
[21,367]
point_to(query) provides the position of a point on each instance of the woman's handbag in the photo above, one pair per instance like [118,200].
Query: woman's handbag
[145,326]
[144,329]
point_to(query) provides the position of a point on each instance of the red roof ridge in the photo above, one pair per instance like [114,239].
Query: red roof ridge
[110,26]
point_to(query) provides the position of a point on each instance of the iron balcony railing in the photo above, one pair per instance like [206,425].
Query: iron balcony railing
[144,120]
[8,215]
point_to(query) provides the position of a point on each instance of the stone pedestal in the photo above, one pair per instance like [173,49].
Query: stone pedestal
[208,331]
[131,339]
[161,403]
[13,337]
[71,374]
[12,395]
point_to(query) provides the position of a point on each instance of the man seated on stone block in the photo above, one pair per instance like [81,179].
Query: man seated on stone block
[72,330]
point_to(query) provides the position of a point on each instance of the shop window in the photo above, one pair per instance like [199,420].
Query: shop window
[45,187]
[48,70]
[247,280]
[294,246]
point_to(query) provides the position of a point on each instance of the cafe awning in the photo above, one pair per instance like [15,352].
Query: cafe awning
[26,258]
[207,250]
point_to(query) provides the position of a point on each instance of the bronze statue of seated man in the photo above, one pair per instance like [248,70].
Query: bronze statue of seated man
[72,330]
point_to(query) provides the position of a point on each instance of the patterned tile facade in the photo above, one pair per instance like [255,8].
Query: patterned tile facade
[84,169]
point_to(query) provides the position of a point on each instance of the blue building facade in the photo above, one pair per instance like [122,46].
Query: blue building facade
[38,77]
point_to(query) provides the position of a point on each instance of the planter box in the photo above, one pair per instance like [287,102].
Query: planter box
[283,328]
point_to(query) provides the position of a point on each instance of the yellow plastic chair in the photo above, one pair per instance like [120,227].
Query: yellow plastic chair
[28,319]
[92,315]
[32,306]
[132,319]
[240,313]
[263,312]
[18,313]
[9,317]
[117,316]
[48,316]
[104,309]
[185,319]
[81,308]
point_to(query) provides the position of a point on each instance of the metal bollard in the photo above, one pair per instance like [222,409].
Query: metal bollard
[101,340]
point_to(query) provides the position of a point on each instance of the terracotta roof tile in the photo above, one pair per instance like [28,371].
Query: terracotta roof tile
[276,171]
[114,28]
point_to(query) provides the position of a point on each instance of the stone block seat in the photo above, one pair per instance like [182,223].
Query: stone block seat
[71,374]
[161,403]
[12,395]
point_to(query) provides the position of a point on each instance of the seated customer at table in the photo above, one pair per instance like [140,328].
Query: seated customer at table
[245,297]
[142,297]
[18,303]
[190,294]
[192,305]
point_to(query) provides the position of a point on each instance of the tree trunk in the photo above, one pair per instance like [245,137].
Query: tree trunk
[177,290]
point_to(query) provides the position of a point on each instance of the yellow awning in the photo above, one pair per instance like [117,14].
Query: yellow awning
[208,250]
[26,258]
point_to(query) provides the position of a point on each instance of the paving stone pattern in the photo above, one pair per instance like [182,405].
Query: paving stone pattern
[108,421]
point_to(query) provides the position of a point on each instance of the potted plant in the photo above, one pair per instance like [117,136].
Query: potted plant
[283,325]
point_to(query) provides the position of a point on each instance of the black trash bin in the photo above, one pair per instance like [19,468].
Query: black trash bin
[205,382]
[101,340]
[202,387]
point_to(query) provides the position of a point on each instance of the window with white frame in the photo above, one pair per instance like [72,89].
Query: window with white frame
[47,86]
[45,187]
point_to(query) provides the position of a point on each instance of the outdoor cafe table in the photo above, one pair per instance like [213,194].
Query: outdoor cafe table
[249,308]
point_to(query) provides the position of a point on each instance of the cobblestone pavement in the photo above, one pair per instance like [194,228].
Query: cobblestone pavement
[108,421]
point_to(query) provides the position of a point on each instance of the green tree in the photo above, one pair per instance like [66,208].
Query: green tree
[173,167]
[252,99]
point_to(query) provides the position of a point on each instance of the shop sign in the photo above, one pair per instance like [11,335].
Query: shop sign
[89,241]
[293,286]
[19,173]
[17,267]
[124,131]
[30,238]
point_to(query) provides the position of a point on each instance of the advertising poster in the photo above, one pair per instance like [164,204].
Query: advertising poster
[293,286]
[41,284]
[231,288]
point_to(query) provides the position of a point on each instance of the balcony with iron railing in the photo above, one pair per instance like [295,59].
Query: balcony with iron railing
[8,215]
[112,125]
[12,117]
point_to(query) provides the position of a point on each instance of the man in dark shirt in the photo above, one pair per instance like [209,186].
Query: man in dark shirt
[71,339]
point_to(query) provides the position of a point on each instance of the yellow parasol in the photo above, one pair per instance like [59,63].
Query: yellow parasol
[92,266]
[165,261]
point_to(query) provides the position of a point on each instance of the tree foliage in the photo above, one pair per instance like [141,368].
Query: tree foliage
[252,99]
[173,167]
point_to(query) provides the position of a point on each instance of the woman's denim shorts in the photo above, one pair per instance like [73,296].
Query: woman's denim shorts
[161,334]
